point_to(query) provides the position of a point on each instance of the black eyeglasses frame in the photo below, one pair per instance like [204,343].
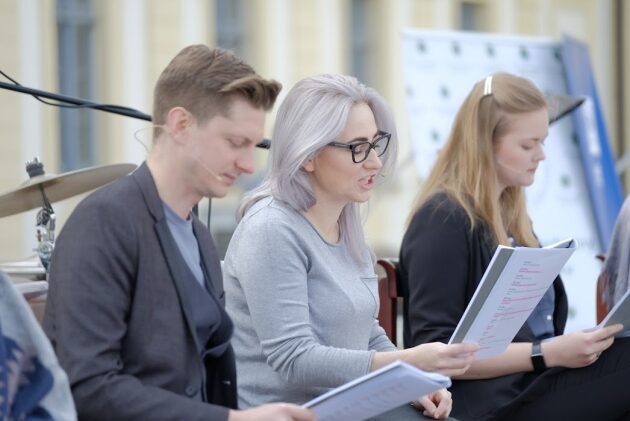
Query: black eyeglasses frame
[373,145]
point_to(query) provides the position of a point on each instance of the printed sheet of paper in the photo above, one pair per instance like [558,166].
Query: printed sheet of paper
[512,286]
[389,387]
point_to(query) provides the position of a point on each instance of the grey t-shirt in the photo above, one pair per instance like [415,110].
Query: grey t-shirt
[304,311]
[182,232]
[211,323]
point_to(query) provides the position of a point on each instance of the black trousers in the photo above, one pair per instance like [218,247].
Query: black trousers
[403,413]
[600,391]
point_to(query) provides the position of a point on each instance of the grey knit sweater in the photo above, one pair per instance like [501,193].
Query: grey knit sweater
[304,311]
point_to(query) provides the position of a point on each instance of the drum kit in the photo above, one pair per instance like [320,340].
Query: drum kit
[39,191]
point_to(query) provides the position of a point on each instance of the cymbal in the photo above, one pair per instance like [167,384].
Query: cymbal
[59,187]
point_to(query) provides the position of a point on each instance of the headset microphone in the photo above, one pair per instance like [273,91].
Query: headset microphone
[208,170]
[195,157]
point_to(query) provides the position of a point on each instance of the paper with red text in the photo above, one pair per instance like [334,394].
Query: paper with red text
[511,287]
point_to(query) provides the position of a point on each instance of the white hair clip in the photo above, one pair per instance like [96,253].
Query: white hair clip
[487,86]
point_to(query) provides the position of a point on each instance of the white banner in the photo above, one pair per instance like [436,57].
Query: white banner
[440,69]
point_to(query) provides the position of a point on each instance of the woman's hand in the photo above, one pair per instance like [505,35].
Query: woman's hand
[273,412]
[436,405]
[450,360]
[579,349]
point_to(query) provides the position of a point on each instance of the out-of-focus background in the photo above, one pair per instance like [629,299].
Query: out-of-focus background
[112,51]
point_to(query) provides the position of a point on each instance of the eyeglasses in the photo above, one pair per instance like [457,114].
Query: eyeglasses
[361,149]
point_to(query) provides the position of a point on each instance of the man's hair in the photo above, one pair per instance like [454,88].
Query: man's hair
[204,81]
[465,167]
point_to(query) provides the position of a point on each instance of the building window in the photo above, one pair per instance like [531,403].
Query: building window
[361,38]
[471,16]
[75,29]
[230,26]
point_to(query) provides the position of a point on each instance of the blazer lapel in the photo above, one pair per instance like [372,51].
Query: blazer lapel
[211,261]
[179,272]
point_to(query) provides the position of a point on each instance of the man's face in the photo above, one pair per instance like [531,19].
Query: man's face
[222,148]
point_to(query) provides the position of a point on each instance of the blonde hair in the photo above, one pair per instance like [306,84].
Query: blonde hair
[204,80]
[465,168]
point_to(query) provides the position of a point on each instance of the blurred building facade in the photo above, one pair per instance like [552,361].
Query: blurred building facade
[112,51]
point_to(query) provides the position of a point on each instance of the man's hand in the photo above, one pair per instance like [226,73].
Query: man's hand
[273,412]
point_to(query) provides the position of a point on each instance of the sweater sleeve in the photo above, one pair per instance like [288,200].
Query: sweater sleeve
[435,264]
[271,264]
[379,340]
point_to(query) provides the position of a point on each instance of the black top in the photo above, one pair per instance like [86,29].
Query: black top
[441,264]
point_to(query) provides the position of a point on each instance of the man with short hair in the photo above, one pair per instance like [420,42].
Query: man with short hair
[135,306]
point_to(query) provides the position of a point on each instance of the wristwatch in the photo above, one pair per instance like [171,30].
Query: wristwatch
[538,359]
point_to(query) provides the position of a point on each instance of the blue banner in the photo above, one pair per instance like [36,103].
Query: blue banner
[598,164]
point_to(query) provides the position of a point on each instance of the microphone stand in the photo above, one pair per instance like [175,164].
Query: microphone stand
[82,103]
[115,109]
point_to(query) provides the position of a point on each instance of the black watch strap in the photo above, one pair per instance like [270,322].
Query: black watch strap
[538,360]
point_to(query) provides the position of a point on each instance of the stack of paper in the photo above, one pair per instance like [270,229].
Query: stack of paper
[31,289]
[389,387]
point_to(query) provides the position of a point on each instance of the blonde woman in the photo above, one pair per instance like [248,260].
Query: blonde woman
[472,201]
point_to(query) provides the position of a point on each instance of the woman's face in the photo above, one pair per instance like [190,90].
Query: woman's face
[335,178]
[519,149]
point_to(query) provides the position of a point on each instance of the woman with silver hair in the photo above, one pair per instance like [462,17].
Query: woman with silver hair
[299,277]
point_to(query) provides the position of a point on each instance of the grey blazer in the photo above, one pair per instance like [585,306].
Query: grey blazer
[118,317]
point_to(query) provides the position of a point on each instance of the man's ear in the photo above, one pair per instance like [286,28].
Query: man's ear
[178,120]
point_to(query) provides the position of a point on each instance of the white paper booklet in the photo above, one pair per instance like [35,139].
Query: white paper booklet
[512,286]
[394,385]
